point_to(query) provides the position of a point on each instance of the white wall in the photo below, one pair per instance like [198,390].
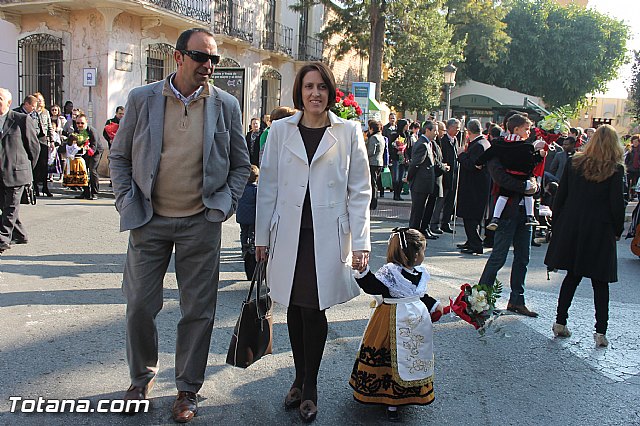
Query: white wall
[9,59]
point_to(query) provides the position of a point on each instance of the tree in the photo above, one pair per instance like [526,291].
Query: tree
[416,54]
[558,52]
[634,88]
[361,25]
[479,26]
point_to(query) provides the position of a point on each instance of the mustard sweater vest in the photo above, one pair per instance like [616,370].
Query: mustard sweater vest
[178,187]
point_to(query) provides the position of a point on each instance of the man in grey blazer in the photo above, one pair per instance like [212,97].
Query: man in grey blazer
[19,150]
[179,164]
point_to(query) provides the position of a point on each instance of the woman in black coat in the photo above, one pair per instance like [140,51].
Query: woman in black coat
[588,219]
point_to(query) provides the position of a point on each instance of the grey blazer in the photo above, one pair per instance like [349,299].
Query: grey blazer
[375,149]
[19,149]
[135,155]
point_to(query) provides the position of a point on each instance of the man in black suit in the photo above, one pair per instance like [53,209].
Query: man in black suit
[19,150]
[422,174]
[473,190]
[445,205]
[253,141]
[30,107]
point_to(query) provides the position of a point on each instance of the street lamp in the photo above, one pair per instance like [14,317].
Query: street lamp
[449,82]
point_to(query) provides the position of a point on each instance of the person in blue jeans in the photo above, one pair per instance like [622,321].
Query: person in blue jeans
[512,229]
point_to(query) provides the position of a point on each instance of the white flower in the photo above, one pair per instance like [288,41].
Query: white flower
[478,300]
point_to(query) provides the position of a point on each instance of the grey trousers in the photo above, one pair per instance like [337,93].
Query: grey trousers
[10,225]
[197,262]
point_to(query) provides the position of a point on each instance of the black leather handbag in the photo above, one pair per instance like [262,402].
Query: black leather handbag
[252,335]
[28,196]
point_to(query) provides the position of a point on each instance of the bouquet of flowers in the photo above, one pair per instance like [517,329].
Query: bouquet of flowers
[556,122]
[83,139]
[83,142]
[476,304]
[346,106]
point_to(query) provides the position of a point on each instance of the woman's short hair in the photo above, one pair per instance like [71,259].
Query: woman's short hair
[374,126]
[327,77]
[414,242]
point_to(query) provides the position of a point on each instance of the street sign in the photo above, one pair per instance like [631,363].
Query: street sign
[89,76]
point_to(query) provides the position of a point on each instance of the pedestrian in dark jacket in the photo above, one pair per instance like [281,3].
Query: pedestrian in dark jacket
[588,216]
[246,217]
[473,188]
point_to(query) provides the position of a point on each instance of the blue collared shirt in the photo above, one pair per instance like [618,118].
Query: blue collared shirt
[186,101]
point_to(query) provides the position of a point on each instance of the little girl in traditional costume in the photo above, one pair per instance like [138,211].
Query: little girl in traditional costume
[394,366]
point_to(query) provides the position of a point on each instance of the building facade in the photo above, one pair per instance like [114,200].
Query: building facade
[47,46]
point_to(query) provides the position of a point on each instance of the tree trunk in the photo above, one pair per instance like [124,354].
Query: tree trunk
[376,46]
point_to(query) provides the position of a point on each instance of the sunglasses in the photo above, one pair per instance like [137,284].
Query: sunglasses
[201,57]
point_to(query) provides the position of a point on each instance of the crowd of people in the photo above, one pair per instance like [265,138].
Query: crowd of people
[302,183]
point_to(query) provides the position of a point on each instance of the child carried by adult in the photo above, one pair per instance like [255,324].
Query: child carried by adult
[519,155]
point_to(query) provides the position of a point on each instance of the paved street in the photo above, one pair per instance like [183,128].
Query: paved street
[62,337]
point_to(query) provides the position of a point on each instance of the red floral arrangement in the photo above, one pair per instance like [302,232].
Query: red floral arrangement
[476,304]
[346,106]
[111,130]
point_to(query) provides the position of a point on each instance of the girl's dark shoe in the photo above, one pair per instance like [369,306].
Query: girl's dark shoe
[393,416]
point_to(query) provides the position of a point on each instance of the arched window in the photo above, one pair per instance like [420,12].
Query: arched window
[271,83]
[40,67]
[228,63]
[160,62]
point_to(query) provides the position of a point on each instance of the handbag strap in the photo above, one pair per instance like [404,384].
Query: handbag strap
[258,280]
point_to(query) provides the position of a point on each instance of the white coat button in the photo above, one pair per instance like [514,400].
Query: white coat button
[330,161]
[286,183]
[289,160]
[331,184]
[332,204]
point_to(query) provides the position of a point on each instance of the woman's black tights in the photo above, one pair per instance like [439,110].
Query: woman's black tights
[308,334]
[600,300]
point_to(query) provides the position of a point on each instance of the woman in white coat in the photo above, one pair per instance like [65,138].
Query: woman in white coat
[313,215]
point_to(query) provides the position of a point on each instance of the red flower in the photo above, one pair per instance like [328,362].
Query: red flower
[350,96]
[339,94]
[359,110]
[347,102]
[338,99]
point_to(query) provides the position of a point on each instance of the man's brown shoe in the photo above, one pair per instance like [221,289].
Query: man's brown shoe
[522,310]
[137,393]
[185,407]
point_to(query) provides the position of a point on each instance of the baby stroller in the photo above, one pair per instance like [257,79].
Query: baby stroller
[634,231]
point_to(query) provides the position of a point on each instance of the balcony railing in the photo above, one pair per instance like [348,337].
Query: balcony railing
[310,49]
[229,18]
[278,38]
[195,9]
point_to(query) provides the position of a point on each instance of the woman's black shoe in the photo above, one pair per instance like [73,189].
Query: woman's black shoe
[308,411]
[293,398]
